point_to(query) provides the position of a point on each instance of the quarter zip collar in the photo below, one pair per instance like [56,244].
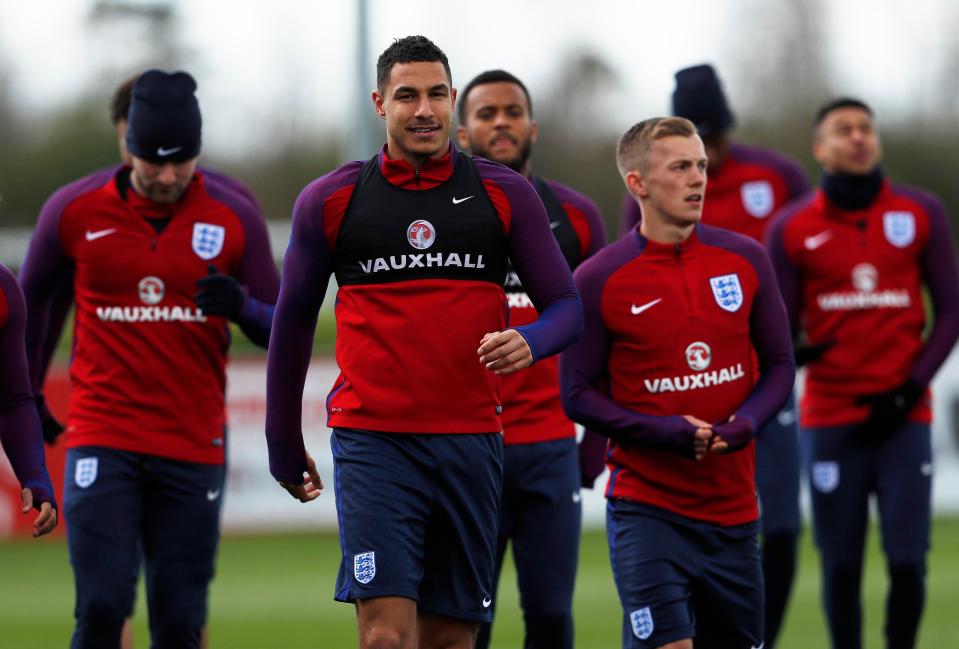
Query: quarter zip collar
[831,210]
[674,252]
[432,173]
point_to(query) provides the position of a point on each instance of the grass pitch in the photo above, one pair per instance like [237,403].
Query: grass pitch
[275,592]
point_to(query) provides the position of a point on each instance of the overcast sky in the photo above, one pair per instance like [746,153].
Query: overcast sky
[254,60]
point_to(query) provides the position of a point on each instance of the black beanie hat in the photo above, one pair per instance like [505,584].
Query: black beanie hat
[164,118]
[699,98]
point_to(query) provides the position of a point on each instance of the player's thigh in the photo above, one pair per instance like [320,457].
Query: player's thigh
[462,530]
[904,493]
[777,472]
[103,507]
[654,566]
[384,499]
[729,598]
[389,621]
[841,474]
[547,531]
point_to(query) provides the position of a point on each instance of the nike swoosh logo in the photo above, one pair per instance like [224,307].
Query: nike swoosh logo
[815,241]
[761,645]
[636,310]
[457,201]
[486,602]
[576,497]
[99,234]
[165,152]
[212,494]
[553,225]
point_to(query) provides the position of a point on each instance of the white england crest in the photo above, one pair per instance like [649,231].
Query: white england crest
[86,472]
[208,240]
[728,292]
[642,621]
[899,227]
[758,198]
[364,567]
[825,476]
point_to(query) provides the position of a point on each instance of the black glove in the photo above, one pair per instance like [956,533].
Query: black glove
[52,429]
[889,411]
[219,294]
[592,457]
[811,353]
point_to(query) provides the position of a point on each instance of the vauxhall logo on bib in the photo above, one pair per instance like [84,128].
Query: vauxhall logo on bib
[421,235]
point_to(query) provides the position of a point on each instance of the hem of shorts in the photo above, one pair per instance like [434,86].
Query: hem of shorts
[456,615]
[385,592]
[665,638]
[75,440]
[426,427]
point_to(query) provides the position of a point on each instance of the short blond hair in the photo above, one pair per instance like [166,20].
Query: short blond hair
[633,148]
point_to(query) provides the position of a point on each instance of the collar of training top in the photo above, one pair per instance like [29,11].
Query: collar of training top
[433,171]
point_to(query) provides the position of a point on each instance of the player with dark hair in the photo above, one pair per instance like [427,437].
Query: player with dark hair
[160,260]
[543,471]
[747,185]
[20,432]
[419,238]
[676,315]
[852,262]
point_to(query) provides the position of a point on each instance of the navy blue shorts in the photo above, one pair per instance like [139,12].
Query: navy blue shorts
[541,516]
[777,472]
[418,516]
[123,507]
[680,578]
[843,474]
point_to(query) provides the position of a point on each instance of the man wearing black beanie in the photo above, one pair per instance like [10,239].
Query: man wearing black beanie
[746,186]
[160,260]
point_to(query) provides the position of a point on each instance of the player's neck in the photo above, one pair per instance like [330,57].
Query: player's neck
[661,230]
[395,152]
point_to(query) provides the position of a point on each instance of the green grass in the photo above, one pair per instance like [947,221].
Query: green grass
[275,591]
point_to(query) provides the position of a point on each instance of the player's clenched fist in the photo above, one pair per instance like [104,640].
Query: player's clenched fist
[505,352]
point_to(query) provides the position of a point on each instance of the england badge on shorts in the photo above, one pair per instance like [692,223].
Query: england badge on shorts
[728,292]
[208,240]
[758,198]
[825,476]
[86,472]
[642,621]
[899,228]
[364,567]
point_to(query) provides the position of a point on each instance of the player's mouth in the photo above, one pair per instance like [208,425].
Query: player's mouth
[694,199]
[503,140]
[424,131]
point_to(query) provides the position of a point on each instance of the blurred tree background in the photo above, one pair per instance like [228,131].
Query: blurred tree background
[774,78]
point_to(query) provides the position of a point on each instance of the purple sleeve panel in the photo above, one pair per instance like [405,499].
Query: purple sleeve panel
[539,263]
[787,275]
[940,274]
[60,306]
[257,272]
[20,430]
[768,328]
[583,367]
[788,169]
[43,270]
[594,218]
[629,213]
[307,267]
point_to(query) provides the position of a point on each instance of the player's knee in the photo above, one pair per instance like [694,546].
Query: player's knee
[908,573]
[449,638]
[386,637]
[548,628]
[102,610]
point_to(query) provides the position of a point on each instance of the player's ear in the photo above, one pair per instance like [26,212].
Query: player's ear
[636,184]
[462,139]
[378,104]
[533,131]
